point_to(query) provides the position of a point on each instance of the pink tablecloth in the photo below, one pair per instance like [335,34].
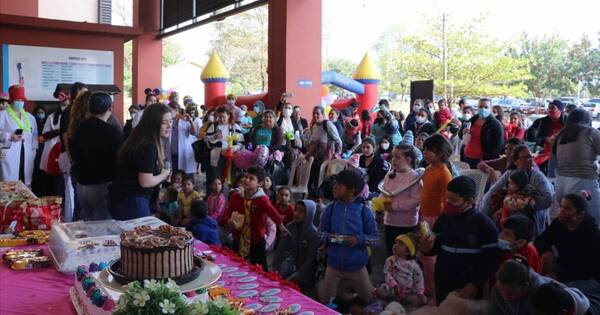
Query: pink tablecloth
[46,291]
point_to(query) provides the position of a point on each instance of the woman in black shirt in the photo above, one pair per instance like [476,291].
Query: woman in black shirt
[141,165]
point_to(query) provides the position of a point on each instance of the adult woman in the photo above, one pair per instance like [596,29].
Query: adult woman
[576,148]
[133,110]
[289,125]
[502,163]
[514,128]
[334,117]
[575,237]
[150,99]
[18,138]
[498,113]
[296,116]
[412,116]
[546,128]
[141,165]
[377,129]
[373,163]
[423,122]
[323,142]
[268,134]
[523,161]
[185,128]
[391,127]
[485,136]
[40,180]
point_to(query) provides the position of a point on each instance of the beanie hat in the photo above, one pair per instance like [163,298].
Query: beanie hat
[16,93]
[409,242]
[558,103]
[408,138]
[463,186]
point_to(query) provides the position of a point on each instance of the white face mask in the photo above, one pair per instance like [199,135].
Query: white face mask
[468,116]
[421,119]
[210,118]
[243,112]
[385,146]
[287,112]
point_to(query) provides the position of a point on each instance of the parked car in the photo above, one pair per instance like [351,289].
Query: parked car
[593,107]
[570,100]
[510,104]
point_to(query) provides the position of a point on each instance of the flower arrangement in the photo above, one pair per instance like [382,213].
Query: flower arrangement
[164,297]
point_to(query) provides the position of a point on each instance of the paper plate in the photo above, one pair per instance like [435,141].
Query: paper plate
[209,275]
[248,286]
[229,269]
[254,306]
[247,279]
[271,299]
[269,308]
[294,308]
[271,292]
[238,274]
[247,294]
[420,171]
[307,313]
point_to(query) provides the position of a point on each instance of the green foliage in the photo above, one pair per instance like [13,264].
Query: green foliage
[171,53]
[241,42]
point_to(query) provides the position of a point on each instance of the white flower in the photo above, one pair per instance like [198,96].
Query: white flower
[221,302]
[167,306]
[171,285]
[140,299]
[122,303]
[200,308]
[151,284]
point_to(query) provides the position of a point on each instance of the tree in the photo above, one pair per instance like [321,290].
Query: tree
[477,64]
[171,53]
[241,42]
[584,66]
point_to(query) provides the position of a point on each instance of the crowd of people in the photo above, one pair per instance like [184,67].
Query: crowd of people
[526,241]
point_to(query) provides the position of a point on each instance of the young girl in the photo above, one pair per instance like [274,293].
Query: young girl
[373,163]
[268,188]
[436,152]
[216,200]
[403,276]
[169,207]
[403,186]
[218,136]
[177,181]
[385,147]
[367,124]
[286,210]
[517,197]
[185,198]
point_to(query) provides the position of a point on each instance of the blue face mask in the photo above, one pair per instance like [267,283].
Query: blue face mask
[484,112]
[18,105]
[504,245]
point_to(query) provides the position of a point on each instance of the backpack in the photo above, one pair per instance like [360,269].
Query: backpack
[52,167]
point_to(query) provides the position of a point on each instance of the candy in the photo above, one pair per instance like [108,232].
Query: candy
[108,305]
[103,265]
[94,267]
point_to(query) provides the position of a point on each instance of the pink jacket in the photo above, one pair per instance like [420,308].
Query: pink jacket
[405,205]
[216,206]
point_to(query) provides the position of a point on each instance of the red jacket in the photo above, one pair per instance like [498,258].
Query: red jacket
[261,206]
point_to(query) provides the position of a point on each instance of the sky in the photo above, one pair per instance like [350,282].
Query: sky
[353,26]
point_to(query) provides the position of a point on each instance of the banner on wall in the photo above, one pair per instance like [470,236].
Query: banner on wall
[40,69]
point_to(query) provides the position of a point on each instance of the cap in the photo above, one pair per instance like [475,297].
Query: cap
[558,103]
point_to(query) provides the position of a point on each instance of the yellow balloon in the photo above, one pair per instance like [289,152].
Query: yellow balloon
[327,110]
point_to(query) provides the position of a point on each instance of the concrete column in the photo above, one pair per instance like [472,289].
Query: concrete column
[147,49]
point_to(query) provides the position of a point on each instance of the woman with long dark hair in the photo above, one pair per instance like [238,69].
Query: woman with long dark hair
[576,148]
[141,165]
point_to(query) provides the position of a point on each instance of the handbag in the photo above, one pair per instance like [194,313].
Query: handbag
[237,220]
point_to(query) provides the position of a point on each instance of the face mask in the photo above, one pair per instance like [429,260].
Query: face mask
[504,245]
[243,112]
[416,108]
[453,210]
[484,112]
[18,105]
[468,116]
[40,116]
[287,112]
[385,146]
[211,118]
[258,109]
[421,119]
[554,114]
[63,107]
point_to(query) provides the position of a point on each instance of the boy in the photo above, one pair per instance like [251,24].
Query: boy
[465,241]
[296,256]
[203,227]
[515,239]
[185,198]
[347,228]
[245,216]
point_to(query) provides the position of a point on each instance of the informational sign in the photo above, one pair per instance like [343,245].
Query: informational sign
[307,84]
[40,69]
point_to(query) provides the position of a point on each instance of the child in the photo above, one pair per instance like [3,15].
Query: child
[185,198]
[403,276]
[177,181]
[515,239]
[436,152]
[351,138]
[296,255]
[169,207]
[443,115]
[204,228]
[403,185]
[420,140]
[268,188]
[245,216]
[347,228]
[519,197]
[315,194]
[465,241]
[216,200]
[285,209]
[367,123]
[218,136]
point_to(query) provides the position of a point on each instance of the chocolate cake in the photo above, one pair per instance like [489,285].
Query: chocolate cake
[165,252]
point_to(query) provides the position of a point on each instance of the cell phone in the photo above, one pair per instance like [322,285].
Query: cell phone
[19,132]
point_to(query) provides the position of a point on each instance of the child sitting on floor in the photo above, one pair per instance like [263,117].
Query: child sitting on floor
[285,209]
[203,227]
[169,208]
[216,200]
[403,276]
[185,198]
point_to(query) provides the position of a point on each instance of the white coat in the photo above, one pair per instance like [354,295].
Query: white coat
[49,144]
[185,138]
[9,165]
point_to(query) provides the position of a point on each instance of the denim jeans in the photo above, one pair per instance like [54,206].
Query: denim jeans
[130,208]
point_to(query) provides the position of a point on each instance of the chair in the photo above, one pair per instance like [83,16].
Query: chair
[331,167]
[480,179]
[300,175]
[461,165]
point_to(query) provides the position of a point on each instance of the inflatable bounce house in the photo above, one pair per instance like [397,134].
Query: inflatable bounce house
[364,84]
